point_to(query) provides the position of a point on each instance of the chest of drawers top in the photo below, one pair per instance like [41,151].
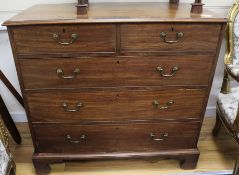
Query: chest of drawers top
[112,13]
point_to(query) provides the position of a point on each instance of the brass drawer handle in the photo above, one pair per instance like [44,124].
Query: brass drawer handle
[179,35]
[60,73]
[70,140]
[161,137]
[57,37]
[167,105]
[174,70]
[79,105]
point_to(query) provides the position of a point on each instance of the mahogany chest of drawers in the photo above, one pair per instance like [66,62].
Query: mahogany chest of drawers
[125,80]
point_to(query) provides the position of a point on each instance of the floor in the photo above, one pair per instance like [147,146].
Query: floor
[217,154]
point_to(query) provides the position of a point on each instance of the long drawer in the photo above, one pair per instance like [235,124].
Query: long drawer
[63,39]
[169,37]
[116,138]
[119,71]
[115,105]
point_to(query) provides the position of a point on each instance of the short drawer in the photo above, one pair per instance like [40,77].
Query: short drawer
[88,139]
[113,72]
[64,39]
[171,37]
[115,105]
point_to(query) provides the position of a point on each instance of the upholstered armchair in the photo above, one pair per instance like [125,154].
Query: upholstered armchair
[228,99]
[7,165]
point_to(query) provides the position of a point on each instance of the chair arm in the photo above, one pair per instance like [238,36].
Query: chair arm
[236,122]
[235,77]
[226,84]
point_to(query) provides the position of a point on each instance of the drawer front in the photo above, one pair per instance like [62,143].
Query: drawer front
[118,105]
[116,138]
[112,72]
[64,39]
[169,37]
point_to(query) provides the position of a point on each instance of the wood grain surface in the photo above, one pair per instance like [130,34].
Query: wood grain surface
[119,105]
[115,71]
[90,38]
[146,37]
[217,155]
[120,138]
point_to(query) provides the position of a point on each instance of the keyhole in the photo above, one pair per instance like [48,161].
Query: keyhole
[118,62]
[172,29]
[64,30]
[117,97]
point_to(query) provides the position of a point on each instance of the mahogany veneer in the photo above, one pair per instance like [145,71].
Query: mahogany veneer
[115,82]
[91,38]
[116,71]
[116,138]
[204,36]
[117,105]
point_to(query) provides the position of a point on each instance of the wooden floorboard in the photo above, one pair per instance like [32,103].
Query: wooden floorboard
[217,154]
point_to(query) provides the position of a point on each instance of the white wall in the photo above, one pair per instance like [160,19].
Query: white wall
[11,7]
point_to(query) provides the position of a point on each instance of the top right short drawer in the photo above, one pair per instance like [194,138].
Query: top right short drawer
[170,37]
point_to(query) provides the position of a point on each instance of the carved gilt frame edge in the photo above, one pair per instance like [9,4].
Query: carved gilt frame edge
[230,33]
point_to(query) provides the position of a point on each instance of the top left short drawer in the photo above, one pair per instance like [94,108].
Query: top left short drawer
[64,39]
